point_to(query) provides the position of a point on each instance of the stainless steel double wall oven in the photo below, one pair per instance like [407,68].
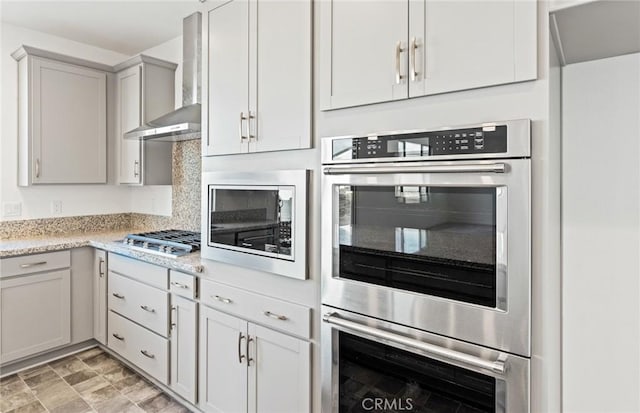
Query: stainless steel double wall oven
[426,269]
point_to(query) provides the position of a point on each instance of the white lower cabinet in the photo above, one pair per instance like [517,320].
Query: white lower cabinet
[100,296]
[184,356]
[142,347]
[35,313]
[248,368]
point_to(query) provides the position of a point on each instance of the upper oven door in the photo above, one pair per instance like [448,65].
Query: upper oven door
[440,246]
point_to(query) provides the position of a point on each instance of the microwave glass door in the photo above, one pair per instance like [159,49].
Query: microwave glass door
[258,219]
[435,240]
[376,377]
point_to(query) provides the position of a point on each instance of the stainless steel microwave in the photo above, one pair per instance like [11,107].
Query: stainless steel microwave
[257,220]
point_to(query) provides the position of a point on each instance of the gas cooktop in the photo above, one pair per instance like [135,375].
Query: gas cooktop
[169,243]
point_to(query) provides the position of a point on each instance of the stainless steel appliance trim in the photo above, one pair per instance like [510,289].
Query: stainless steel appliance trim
[512,386]
[280,264]
[518,144]
[507,326]
[419,167]
[497,366]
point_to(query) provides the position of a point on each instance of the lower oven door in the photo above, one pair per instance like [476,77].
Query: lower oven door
[440,246]
[376,366]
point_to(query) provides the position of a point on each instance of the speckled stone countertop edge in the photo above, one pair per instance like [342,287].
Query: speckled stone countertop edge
[106,241]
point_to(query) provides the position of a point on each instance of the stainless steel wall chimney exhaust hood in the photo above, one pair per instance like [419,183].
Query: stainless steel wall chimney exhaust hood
[184,123]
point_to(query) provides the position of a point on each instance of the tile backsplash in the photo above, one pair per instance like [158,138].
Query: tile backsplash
[185,206]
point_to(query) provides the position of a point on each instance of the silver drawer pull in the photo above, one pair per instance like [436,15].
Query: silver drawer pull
[118,296]
[179,285]
[32,264]
[221,299]
[149,309]
[118,336]
[276,316]
[147,354]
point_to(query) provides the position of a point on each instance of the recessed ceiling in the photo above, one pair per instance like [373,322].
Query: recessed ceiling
[127,27]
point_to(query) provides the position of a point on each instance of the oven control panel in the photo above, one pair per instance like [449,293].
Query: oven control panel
[481,140]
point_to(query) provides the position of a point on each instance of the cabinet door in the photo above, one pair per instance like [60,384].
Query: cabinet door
[456,45]
[35,314]
[363,52]
[129,117]
[223,363]
[184,324]
[280,74]
[279,374]
[100,296]
[228,63]
[69,118]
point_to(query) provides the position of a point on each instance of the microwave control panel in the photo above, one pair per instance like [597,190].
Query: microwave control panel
[481,140]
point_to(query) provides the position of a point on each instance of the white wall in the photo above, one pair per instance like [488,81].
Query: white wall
[36,201]
[601,235]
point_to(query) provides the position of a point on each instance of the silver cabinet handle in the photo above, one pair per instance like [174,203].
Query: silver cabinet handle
[179,285]
[412,49]
[249,358]
[32,264]
[497,366]
[399,50]
[147,354]
[136,168]
[100,267]
[37,168]
[120,296]
[240,355]
[221,299]
[118,336]
[276,316]
[174,319]
[251,116]
[416,168]
[242,136]
[149,309]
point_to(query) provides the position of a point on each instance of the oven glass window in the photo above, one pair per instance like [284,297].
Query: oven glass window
[253,219]
[379,378]
[439,241]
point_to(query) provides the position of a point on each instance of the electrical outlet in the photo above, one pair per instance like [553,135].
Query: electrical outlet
[11,209]
[56,207]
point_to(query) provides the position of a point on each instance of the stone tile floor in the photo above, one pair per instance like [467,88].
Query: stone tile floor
[91,381]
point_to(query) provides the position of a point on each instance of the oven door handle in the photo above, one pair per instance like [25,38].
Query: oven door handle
[497,366]
[415,168]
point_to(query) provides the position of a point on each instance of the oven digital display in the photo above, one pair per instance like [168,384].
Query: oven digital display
[422,144]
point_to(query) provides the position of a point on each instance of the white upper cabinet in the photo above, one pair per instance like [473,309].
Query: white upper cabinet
[145,91]
[259,71]
[229,78]
[414,48]
[363,52]
[62,123]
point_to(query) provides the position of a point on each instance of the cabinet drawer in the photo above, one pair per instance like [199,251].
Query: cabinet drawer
[27,264]
[140,346]
[182,284]
[288,317]
[142,271]
[141,303]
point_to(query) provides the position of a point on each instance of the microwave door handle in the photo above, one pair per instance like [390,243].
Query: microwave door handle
[416,168]
[497,366]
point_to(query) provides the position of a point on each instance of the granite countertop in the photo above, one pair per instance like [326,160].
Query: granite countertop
[109,241]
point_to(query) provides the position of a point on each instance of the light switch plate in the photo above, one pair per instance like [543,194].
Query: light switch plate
[11,209]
